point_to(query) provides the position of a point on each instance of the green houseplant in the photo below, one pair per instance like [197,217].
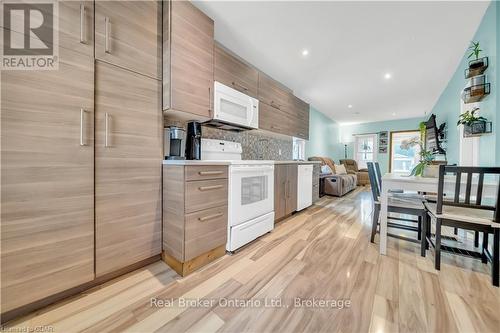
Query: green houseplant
[475,51]
[424,167]
[472,123]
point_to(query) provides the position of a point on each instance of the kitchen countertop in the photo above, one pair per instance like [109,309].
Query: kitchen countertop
[211,162]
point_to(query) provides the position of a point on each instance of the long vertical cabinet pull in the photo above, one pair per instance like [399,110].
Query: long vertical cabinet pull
[83,128]
[209,99]
[106,35]
[106,130]
[83,30]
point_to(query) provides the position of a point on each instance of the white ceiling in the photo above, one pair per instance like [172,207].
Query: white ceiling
[351,46]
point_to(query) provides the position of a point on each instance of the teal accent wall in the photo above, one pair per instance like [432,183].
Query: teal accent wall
[447,108]
[496,88]
[323,136]
[347,132]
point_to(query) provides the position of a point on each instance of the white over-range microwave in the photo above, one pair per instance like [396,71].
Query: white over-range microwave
[234,109]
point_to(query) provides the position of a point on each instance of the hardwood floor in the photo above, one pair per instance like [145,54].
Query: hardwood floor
[323,253]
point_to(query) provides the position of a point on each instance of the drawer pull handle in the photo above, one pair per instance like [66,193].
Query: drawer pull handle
[210,173]
[209,188]
[83,30]
[276,127]
[210,217]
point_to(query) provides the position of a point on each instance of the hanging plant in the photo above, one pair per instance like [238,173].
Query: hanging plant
[468,118]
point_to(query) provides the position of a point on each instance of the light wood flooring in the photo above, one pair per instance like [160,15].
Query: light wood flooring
[323,253]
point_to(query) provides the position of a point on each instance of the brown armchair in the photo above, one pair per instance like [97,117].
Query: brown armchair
[352,168]
[334,184]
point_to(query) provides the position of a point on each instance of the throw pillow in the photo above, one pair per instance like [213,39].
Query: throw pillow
[340,169]
[326,170]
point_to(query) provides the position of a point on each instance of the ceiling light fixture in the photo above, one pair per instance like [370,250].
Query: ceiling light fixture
[387,76]
[394,114]
[305,52]
[350,106]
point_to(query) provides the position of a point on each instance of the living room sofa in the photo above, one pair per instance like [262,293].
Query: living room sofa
[332,183]
[352,168]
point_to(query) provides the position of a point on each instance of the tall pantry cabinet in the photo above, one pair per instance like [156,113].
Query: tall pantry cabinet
[47,153]
[60,155]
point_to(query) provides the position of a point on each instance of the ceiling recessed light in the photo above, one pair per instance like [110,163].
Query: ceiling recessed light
[387,76]
[394,114]
[305,52]
[350,106]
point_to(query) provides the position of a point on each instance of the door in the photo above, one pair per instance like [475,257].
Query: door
[47,234]
[251,192]
[403,160]
[365,149]
[128,168]
[191,64]
[127,34]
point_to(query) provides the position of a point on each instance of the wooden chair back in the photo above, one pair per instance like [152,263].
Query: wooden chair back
[466,201]
[373,181]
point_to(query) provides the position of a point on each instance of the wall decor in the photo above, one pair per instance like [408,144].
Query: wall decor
[383,141]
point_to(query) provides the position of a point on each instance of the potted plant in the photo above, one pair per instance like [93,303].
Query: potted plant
[424,167]
[475,63]
[473,124]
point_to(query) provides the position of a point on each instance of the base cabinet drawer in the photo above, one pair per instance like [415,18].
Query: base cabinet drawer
[194,215]
[205,194]
[205,230]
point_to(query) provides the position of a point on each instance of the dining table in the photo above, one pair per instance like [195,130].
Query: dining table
[397,181]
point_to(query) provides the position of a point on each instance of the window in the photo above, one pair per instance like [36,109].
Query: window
[299,148]
[403,160]
[365,149]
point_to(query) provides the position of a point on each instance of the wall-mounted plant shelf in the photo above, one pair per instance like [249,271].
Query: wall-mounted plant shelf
[478,128]
[475,93]
[476,67]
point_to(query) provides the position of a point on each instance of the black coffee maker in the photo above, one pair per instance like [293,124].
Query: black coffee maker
[193,141]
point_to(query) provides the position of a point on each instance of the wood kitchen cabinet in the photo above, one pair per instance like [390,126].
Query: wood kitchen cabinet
[285,190]
[127,34]
[188,60]
[235,73]
[194,215]
[273,93]
[47,170]
[299,117]
[128,155]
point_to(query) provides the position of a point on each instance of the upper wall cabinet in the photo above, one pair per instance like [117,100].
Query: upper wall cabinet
[235,73]
[127,35]
[299,117]
[272,92]
[188,59]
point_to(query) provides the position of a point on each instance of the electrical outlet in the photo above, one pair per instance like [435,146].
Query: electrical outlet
[279,152]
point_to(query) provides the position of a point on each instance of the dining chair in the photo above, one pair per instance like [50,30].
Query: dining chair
[379,179]
[409,205]
[469,212]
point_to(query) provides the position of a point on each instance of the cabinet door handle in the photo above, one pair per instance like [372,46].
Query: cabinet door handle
[209,188]
[83,30]
[239,85]
[83,128]
[288,194]
[210,173]
[106,130]
[107,48]
[209,99]
[276,106]
[276,127]
[210,217]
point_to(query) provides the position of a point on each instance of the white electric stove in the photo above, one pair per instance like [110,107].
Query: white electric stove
[250,191]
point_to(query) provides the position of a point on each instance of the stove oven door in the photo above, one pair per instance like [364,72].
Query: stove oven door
[251,192]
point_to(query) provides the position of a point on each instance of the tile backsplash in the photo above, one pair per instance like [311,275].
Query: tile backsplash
[256,144]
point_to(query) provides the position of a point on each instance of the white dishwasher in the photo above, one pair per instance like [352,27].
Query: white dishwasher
[304,186]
